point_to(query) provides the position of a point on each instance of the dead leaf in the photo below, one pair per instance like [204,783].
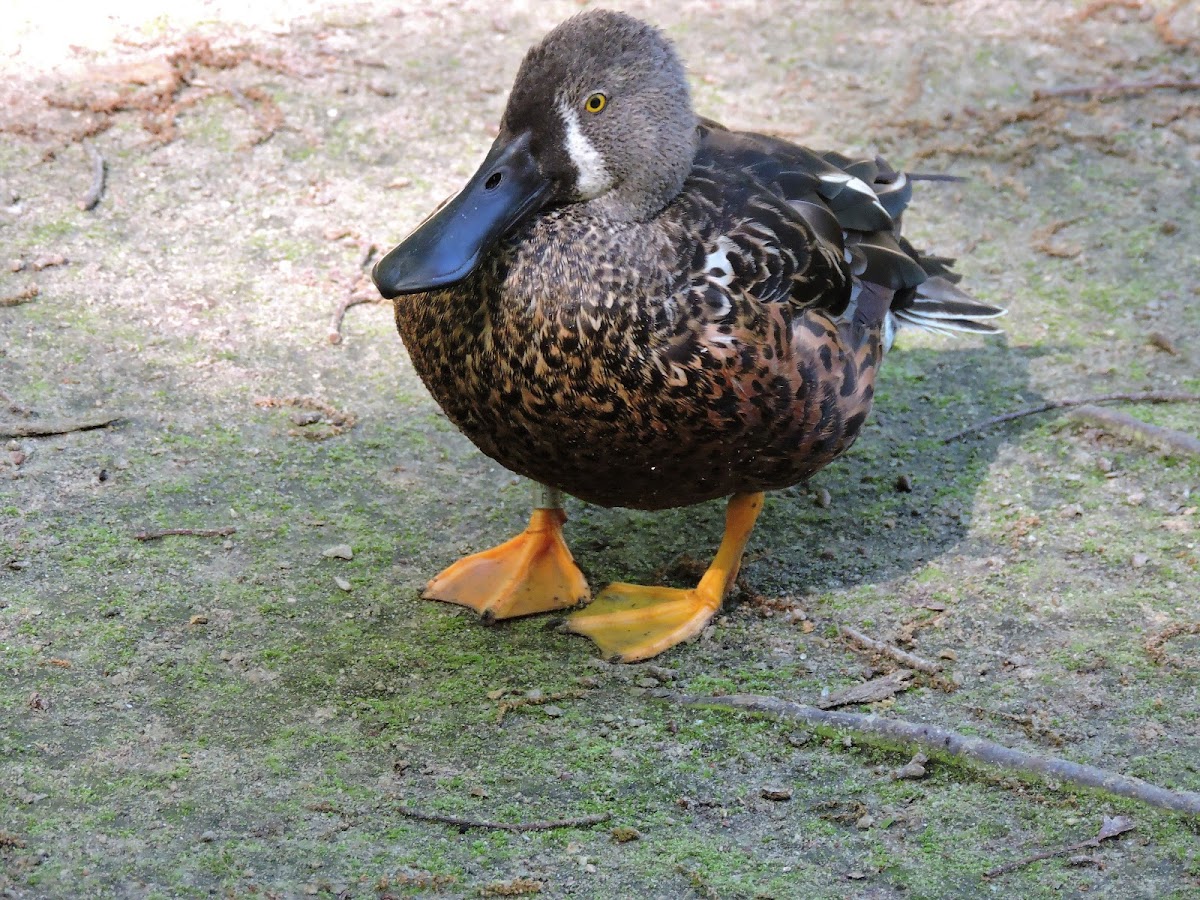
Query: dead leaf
[871,691]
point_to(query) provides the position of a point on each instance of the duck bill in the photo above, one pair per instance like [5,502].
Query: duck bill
[450,244]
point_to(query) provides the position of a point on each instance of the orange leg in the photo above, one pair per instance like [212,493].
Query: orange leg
[532,573]
[634,622]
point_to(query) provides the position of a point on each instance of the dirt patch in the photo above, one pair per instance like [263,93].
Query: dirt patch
[233,710]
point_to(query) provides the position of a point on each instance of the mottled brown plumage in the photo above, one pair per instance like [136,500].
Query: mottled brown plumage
[641,308]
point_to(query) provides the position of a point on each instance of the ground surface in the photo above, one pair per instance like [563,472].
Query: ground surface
[216,715]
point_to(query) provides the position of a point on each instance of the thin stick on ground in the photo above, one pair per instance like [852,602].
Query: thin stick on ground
[1116,422]
[96,191]
[1144,397]
[194,532]
[22,296]
[44,429]
[1154,646]
[354,298]
[1116,88]
[550,825]
[1109,829]
[955,746]
[900,656]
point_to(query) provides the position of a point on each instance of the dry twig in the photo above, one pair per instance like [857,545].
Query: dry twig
[955,746]
[872,691]
[362,292]
[517,702]
[335,421]
[1162,25]
[1110,828]
[194,532]
[43,429]
[1145,397]
[1114,421]
[550,825]
[1154,646]
[22,296]
[1099,6]
[901,656]
[1116,88]
[96,191]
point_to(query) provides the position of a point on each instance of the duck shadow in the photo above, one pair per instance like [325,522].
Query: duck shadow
[900,497]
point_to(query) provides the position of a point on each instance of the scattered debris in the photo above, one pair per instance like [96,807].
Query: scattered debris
[550,825]
[533,698]
[37,702]
[99,168]
[1162,25]
[777,794]
[335,422]
[193,532]
[22,296]
[1120,423]
[363,291]
[1043,244]
[1145,397]
[44,429]
[869,691]
[1115,88]
[901,656]
[515,888]
[1154,646]
[11,840]
[1110,828]
[1162,342]
[953,746]
[913,769]
[703,889]
[49,261]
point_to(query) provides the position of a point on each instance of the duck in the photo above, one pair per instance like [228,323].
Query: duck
[635,306]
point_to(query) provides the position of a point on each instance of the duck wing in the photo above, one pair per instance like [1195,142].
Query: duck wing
[852,211]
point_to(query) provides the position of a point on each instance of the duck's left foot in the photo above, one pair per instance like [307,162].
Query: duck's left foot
[633,622]
[532,573]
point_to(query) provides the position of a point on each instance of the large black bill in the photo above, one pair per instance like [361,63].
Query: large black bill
[449,245]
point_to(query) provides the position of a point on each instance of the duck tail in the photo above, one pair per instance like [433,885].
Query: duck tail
[938,305]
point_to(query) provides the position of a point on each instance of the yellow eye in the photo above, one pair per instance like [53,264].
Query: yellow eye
[595,103]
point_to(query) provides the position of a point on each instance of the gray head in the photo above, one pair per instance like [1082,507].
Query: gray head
[599,115]
[606,100]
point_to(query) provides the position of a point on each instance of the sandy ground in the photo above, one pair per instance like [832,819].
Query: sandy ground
[244,714]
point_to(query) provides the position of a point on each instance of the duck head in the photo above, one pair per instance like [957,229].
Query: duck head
[599,114]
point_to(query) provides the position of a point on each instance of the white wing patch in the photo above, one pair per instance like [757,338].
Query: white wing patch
[842,181]
[594,178]
[717,265]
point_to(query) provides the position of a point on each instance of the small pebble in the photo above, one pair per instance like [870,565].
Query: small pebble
[552,711]
[341,551]
[208,837]
[343,583]
[1139,560]
[823,499]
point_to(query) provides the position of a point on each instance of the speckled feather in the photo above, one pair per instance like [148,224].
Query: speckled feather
[727,344]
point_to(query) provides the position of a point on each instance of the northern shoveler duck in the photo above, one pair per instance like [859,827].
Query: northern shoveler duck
[641,308]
